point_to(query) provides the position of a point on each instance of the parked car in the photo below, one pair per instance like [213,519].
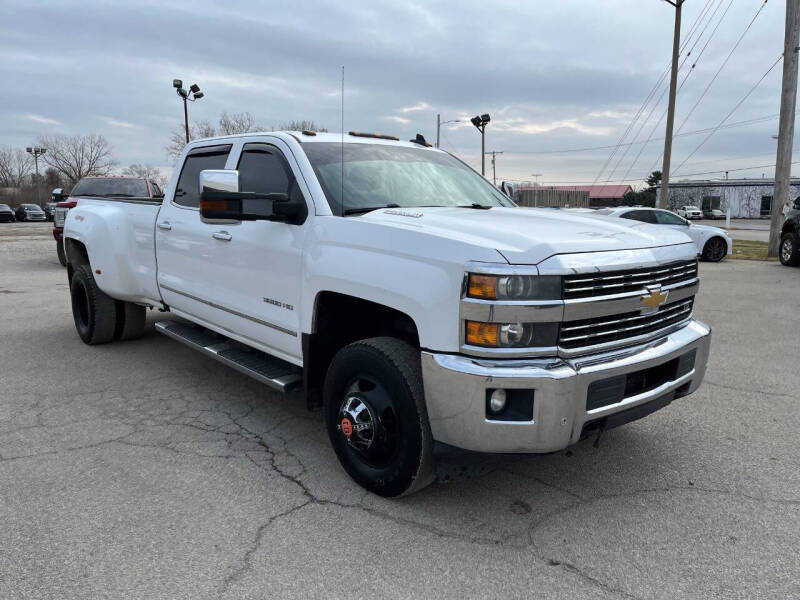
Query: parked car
[6,214]
[713,213]
[49,210]
[690,212]
[30,212]
[94,187]
[789,251]
[421,306]
[713,243]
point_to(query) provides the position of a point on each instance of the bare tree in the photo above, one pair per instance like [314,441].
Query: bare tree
[243,122]
[78,156]
[304,125]
[145,172]
[15,166]
[177,138]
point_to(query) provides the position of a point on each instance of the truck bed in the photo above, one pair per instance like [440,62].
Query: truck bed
[125,228]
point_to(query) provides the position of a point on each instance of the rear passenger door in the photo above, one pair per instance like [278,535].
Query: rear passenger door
[184,244]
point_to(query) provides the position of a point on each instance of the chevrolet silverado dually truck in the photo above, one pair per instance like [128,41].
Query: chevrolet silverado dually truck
[412,301]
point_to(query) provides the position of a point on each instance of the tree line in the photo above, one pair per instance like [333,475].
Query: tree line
[70,158]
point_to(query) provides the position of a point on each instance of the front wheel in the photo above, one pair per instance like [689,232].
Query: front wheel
[715,249]
[375,414]
[789,251]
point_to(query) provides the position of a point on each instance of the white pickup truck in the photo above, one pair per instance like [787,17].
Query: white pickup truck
[410,299]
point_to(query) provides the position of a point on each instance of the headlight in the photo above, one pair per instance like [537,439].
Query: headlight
[514,287]
[511,335]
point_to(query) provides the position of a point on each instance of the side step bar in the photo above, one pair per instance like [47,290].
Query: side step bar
[276,373]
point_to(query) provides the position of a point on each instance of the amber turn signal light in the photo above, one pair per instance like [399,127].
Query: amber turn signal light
[482,286]
[483,334]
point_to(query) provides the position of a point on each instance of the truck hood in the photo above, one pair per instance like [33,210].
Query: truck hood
[529,235]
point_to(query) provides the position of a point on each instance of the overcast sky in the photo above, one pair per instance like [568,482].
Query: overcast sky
[555,75]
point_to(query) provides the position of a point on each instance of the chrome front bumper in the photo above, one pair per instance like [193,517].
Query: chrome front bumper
[455,392]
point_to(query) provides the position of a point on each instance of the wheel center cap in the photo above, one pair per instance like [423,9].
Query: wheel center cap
[357,422]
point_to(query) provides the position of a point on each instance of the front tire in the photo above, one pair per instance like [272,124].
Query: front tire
[94,312]
[375,414]
[715,249]
[789,250]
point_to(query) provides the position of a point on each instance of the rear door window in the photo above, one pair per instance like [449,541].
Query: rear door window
[187,192]
[645,216]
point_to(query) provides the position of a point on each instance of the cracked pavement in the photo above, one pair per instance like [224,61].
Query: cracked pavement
[142,469]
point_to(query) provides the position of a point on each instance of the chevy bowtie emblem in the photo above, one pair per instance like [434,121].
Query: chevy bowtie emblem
[654,299]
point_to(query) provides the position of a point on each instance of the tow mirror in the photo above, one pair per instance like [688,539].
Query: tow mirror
[57,194]
[221,200]
[797,203]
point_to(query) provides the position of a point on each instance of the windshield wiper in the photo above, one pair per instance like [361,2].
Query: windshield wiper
[475,205]
[118,195]
[365,209]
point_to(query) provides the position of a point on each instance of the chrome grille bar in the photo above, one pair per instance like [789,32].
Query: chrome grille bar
[589,332]
[612,282]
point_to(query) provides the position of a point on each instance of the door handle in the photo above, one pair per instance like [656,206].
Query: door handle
[222,235]
[165,225]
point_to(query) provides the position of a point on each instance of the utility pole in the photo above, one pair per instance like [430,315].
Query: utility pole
[494,154]
[783,160]
[673,85]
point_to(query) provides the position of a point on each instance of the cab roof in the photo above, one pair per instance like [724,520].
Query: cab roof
[318,136]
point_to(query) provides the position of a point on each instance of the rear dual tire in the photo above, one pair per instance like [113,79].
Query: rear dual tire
[100,319]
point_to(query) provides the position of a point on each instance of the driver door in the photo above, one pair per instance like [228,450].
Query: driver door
[258,265]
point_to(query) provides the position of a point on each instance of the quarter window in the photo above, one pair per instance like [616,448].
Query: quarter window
[199,159]
[645,216]
[667,218]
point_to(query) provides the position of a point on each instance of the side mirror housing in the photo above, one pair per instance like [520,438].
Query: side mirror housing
[797,203]
[57,194]
[221,200]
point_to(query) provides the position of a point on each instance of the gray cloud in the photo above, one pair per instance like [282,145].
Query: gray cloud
[557,75]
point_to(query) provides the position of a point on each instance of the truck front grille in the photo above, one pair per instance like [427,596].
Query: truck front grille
[602,330]
[589,285]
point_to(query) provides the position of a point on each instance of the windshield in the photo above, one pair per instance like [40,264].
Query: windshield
[31,207]
[380,175]
[111,187]
[5,207]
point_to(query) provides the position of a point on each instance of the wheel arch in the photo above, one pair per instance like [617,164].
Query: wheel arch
[340,319]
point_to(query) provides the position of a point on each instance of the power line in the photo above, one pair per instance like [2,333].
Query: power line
[726,117]
[725,62]
[683,82]
[684,134]
[649,96]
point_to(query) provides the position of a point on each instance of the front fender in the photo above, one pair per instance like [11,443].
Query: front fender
[417,274]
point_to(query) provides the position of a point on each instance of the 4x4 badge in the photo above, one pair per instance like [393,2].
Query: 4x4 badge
[654,299]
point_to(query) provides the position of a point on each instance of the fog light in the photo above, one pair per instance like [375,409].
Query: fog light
[497,401]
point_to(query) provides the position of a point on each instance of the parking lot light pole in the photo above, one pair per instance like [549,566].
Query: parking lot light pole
[196,94]
[439,124]
[36,152]
[480,122]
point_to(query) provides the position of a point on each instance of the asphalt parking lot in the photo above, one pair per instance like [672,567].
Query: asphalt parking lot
[143,470]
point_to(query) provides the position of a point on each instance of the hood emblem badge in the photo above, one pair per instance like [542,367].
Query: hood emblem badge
[654,299]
